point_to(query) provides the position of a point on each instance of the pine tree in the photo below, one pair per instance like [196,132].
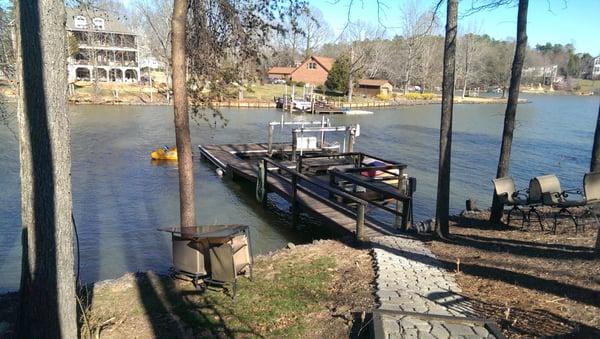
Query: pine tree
[337,80]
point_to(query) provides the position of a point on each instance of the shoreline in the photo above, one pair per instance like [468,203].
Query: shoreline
[268,104]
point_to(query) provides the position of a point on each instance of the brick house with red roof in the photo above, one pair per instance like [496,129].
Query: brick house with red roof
[313,70]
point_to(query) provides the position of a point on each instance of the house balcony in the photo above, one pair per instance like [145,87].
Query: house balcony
[107,45]
[106,63]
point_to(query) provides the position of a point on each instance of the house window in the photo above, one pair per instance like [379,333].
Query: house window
[80,21]
[312,65]
[98,23]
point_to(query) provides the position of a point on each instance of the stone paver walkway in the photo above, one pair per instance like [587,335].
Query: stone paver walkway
[418,299]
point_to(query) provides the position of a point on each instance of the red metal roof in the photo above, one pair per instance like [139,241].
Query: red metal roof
[282,70]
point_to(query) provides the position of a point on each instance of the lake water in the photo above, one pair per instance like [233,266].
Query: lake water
[120,197]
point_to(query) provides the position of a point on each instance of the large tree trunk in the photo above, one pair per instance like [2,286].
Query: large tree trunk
[408,68]
[351,74]
[350,88]
[595,167]
[466,73]
[511,106]
[168,80]
[47,292]
[443,186]
[595,163]
[182,120]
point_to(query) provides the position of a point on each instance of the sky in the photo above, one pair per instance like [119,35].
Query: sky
[555,21]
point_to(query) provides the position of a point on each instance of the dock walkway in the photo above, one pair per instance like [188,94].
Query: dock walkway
[340,216]
[418,298]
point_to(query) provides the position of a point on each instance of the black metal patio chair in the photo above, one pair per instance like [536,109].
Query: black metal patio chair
[589,196]
[509,196]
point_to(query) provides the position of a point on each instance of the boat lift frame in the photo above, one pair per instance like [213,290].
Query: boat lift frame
[324,122]
[351,132]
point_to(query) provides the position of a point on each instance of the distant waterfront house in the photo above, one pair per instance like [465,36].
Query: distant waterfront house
[150,62]
[596,68]
[547,74]
[374,87]
[107,50]
[313,70]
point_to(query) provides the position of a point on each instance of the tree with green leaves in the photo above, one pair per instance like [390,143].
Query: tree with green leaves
[337,79]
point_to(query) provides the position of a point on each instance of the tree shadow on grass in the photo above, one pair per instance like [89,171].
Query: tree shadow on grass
[521,248]
[180,312]
[515,246]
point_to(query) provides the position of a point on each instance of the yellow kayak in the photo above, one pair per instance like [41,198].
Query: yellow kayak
[164,153]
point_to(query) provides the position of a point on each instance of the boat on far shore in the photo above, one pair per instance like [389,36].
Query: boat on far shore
[356,112]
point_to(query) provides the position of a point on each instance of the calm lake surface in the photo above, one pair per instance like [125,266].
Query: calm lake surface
[120,197]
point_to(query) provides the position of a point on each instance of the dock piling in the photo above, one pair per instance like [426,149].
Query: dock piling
[294,144]
[360,222]
[270,147]
[294,198]
[264,183]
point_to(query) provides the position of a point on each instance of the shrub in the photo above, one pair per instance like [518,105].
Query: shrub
[419,96]
[384,96]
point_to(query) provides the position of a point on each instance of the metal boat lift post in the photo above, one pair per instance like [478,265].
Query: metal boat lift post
[271,127]
[351,134]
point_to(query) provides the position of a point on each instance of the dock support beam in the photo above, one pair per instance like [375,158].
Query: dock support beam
[405,215]
[351,137]
[264,183]
[270,148]
[294,201]
[402,187]
[360,222]
[294,144]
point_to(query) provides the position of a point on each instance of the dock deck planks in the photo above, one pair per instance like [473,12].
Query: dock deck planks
[224,157]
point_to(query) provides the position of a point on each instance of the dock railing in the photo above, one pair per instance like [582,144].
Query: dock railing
[402,193]
[295,185]
[393,193]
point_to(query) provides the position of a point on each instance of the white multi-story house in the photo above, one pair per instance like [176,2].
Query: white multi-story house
[107,50]
[596,68]
[150,62]
[546,72]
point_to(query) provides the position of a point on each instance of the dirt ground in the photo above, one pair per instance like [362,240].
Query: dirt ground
[319,290]
[533,283]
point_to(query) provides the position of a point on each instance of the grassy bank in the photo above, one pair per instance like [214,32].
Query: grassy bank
[312,291]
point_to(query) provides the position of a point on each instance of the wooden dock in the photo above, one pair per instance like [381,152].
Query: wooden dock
[309,194]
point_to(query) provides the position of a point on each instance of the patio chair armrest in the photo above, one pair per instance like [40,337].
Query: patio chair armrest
[552,198]
[566,193]
[520,194]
